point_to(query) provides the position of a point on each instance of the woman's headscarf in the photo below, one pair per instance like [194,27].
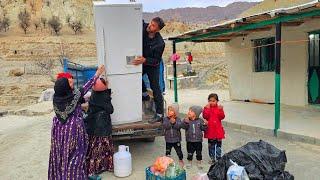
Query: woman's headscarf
[65,100]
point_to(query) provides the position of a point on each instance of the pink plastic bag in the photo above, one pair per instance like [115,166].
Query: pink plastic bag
[175,57]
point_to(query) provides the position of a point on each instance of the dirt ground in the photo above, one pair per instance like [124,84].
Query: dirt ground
[25,143]
[23,52]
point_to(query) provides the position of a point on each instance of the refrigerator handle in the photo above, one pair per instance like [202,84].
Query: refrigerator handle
[104,45]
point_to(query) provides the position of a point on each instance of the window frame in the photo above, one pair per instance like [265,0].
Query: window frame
[317,32]
[257,69]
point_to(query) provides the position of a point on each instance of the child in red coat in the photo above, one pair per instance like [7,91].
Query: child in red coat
[214,114]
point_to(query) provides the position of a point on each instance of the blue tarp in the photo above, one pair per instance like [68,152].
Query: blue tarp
[82,74]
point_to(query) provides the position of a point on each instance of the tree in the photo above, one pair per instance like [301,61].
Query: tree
[36,24]
[44,22]
[2,4]
[33,7]
[68,19]
[55,24]
[46,67]
[76,26]
[24,18]
[5,23]
[4,12]
[1,25]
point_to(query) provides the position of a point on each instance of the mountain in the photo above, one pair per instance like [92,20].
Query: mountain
[82,10]
[211,14]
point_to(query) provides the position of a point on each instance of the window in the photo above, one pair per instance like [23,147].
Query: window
[264,55]
[314,50]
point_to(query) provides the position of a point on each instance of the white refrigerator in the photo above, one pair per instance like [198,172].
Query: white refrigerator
[119,40]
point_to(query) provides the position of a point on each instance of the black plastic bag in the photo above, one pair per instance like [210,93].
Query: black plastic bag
[260,159]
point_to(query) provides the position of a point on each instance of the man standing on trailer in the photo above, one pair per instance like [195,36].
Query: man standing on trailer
[153,47]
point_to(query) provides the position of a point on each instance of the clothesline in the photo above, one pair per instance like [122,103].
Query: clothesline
[266,45]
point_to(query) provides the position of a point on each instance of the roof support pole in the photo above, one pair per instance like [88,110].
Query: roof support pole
[175,85]
[277,79]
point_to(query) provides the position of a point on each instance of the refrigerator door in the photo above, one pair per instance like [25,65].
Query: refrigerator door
[119,36]
[126,98]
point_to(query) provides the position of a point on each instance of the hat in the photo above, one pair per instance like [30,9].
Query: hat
[175,107]
[197,110]
[64,75]
[100,85]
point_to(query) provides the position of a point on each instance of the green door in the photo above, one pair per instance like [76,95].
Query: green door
[314,69]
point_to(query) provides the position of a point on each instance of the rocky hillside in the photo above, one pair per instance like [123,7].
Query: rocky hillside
[82,10]
[76,9]
[21,53]
[211,14]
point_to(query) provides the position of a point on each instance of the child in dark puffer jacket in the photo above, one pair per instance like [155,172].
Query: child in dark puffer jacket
[172,125]
[194,135]
[99,128]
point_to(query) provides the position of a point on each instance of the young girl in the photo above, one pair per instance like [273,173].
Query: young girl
[172,125]
[214,114]
[194,136]
[99,128]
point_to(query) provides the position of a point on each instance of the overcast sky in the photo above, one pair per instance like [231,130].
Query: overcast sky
[156,5]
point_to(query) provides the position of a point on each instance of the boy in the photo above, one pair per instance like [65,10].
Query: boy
[194,135]
[172,125]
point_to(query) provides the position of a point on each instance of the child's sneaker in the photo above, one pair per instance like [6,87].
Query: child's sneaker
[189,165]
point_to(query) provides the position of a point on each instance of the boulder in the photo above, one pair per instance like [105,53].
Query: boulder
[16,72]
[46,95]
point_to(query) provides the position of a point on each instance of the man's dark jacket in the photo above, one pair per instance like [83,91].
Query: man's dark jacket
[152,48]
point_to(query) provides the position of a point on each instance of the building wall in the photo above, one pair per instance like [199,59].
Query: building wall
[246,84]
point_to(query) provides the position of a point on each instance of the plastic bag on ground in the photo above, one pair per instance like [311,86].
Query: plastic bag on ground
[261,160]
[236,172]
[161,164]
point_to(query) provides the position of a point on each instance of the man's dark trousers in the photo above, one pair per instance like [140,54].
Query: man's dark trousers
[153,73]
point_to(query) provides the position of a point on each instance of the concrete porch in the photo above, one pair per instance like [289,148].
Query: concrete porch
[297,123]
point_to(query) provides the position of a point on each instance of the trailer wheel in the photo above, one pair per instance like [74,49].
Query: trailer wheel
[151,139]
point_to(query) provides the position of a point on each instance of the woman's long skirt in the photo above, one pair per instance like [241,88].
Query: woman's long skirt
[69,144]
[100,155]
